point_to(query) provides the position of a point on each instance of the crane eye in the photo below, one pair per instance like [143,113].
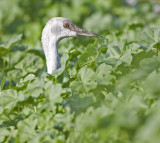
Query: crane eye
[66,25]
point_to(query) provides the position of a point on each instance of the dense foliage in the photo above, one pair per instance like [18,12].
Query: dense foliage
[107,91]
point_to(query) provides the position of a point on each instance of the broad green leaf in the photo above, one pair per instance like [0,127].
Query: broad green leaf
[10,98]
[88,56]
[26,129]
[53,92]
[35,88]
[85,81]
[29,77]
[150,38]
[29,64]
[117,53]
[103,75]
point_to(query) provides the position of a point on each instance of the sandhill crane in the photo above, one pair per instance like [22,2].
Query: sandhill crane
[55,30]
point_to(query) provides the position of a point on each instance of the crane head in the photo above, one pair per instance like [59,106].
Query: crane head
[56,29]
[60,28]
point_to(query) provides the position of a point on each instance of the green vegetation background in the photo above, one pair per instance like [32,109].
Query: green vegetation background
[107,91]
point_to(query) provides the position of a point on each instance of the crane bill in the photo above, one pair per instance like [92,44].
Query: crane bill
[83,32]
[90,34]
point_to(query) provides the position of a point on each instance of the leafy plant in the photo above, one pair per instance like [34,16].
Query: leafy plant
[106,91]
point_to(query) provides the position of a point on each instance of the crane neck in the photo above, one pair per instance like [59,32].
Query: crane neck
[52,56]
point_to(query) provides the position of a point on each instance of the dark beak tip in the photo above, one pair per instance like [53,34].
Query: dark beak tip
[97,36]
[100,37]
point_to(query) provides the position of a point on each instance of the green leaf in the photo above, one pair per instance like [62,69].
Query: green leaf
[10,98]
[150,38]
[29,77]
[29,64]
[35,88]
[117,53]
[147,66]
[103,75]
[5,47]
[4,133]
[53,92]
[79,103]
[88,56]
[85,81]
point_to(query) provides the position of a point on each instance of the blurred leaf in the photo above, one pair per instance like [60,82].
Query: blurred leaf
[150,38]
[98,22]
[148,65]
[5,47]
[79,103]
[152,80]
[4,134]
